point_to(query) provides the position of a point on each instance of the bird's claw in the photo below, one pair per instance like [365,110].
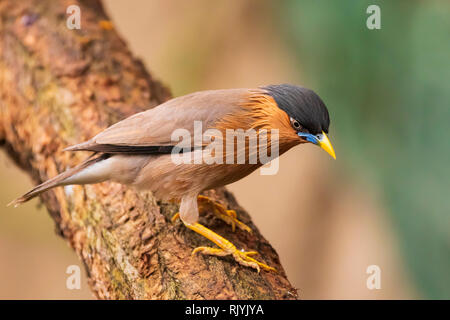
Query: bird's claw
[242,257]
[232,213]
[228,216]
[175,217]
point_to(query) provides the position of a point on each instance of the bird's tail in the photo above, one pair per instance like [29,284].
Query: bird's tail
[60,180]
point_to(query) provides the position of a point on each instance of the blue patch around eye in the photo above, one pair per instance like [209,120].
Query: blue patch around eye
[309,137]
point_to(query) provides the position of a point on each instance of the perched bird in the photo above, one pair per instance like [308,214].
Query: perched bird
[139,151]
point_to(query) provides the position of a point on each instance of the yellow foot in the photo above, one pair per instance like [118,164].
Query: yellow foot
[229,216]
[226,248]
[240,256]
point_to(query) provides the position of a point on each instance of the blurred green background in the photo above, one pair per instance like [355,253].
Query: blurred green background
[390,94]
[385,201]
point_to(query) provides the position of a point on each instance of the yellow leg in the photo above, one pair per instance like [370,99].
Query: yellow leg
[229,216]
[226,248]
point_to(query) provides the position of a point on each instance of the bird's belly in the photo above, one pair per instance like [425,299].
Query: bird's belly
[168,180]
[225,174]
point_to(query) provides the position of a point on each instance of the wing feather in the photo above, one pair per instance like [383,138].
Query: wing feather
[154,127]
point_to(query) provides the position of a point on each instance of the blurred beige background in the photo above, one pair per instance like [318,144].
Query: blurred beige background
[326,224]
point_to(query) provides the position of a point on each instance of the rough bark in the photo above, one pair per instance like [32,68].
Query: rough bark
[60,87]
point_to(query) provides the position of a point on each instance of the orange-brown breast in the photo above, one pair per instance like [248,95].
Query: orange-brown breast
[259,111]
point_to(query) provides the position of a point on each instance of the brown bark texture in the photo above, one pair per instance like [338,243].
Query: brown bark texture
[60,87]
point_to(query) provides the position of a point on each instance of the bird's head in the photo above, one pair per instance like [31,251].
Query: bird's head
[307,113]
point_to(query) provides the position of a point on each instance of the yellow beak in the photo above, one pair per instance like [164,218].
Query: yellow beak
[325,144]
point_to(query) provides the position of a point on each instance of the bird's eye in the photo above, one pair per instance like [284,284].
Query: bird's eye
[295,124]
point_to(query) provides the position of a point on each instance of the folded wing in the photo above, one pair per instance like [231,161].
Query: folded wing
[151,131]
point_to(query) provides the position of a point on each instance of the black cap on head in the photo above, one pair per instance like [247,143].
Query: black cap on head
[302,104]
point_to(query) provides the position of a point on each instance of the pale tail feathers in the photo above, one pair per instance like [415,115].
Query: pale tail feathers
[60,180]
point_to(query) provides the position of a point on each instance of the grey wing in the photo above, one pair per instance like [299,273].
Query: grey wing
[151,131]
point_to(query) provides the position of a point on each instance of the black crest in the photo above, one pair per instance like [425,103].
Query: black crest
[302,104]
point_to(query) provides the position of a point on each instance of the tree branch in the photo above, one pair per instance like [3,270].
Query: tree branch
[61,87]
